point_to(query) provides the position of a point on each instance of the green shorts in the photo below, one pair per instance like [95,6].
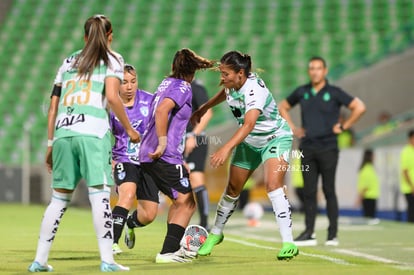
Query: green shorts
[248,157]
[81,157]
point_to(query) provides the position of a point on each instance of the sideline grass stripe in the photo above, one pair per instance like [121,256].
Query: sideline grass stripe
[323,257]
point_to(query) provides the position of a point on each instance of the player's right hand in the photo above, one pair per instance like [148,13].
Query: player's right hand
[299,132]
[134,136]
[162,145]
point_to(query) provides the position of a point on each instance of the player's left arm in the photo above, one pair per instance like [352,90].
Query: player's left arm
[51,121]
[250,118]
[357,108]
[161,126]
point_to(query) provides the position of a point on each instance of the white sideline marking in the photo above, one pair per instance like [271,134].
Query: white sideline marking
[367,256]
[395,264]
[323,257]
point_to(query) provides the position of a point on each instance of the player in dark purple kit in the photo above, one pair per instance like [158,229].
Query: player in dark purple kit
[127,170]
[162,146]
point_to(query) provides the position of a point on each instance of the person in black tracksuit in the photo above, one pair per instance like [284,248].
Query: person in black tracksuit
[320,104]
[195,152]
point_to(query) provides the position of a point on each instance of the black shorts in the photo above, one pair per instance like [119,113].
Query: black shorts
[129,172]
[170,179]
[197,158]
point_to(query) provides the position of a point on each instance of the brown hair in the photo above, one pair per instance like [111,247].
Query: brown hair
[186,62]
[128,68]
[97,30]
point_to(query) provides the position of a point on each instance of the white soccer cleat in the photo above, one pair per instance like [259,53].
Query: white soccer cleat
[186,254]
[170,258]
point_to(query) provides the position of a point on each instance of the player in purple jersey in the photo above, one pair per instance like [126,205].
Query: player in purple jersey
[161,152]
[127,171]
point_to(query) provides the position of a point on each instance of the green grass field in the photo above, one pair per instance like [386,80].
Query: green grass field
[387,248]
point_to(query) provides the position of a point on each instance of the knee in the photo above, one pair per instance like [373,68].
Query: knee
[191,204]
[186,204]
[148,216]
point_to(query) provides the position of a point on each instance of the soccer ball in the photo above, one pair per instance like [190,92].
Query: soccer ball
[253,211]
[194,237]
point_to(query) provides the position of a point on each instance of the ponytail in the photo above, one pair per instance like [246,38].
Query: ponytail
[186,62]
[97,30]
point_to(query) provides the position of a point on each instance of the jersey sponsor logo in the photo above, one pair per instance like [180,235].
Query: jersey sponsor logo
[251,93]
[251,103]
[70,121]
[144,110]
[133,158]
[135,124]
[132,148]
[271,137]
[184,182]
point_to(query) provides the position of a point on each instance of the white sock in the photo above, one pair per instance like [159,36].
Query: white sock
[281,208]
[50,223]
[225,208]
[102,221]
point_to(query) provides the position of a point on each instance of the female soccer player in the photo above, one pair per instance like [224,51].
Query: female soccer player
[127,170]
[79,130]
[263,137]
[162,146]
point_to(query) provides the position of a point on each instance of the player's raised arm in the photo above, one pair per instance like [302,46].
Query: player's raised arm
[215,100]
[112,85]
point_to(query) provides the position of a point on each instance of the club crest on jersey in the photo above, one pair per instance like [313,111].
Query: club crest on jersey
[122,175]
[144,110]
[184,182]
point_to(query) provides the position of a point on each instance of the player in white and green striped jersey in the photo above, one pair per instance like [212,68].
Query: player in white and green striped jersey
[263,137]
[79,138]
